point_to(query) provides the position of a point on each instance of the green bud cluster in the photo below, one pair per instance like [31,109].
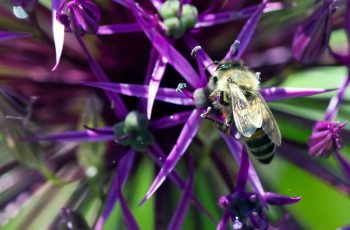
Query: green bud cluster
[175,25]
[134,132]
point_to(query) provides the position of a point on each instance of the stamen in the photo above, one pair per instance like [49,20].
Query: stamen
[234,48]
[180,87]
[195,50]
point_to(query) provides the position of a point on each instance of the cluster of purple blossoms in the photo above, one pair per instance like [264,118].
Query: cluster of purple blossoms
[153,109]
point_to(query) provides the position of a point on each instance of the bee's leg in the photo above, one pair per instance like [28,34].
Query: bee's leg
[220,125]
[206,113]
[229,119]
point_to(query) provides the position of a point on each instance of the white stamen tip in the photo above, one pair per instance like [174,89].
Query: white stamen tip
[180,87]
[195,50]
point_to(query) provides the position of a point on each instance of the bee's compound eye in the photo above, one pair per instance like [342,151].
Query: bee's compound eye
[215,79]
[223,66]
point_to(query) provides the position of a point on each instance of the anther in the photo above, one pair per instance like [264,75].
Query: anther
[195,50]
[235,47]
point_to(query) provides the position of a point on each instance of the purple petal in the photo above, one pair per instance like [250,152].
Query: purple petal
[180,213]
[243,171]
[246,33]
[156,77]
[170,121]
[346,21]
[157,3]
[236,148]
[119,179]
[129,219]
[84,20]
[340,58]
[165,49]
[77,136]
[118,29]
[223,221]
[58,32]
[333,107]
[159,157]
[277,199]
[188,132]
[344,164]
[119,107]
[121,2]
[164,94]
[235,15]
[281,93]
[5,36]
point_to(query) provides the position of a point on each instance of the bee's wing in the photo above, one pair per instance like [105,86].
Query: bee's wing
[269,124]
[255,111]
[241,112]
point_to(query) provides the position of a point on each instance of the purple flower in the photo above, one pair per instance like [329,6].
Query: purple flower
[246,208]
[198,98]
[325,138]
[312,36]
[80,16]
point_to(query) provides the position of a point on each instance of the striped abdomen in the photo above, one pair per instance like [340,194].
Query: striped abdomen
[261,146]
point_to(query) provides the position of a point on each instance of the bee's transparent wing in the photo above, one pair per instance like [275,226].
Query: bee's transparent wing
[241,112]
[269,124]
[255,111]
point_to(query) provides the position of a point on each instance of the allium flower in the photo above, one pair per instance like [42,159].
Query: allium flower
[325,138]
[84,158]
[326,134]
[246,208]
[80,16]
[312,36]
[192,125]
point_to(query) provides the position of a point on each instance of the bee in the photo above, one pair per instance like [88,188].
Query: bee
[234,92]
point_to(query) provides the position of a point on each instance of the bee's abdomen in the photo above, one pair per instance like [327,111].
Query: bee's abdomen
[261,146]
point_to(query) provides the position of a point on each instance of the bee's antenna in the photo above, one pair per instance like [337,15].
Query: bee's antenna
[234,48]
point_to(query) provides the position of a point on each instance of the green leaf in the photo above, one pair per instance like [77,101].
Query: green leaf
[42,208]
[332,209]
[136,190]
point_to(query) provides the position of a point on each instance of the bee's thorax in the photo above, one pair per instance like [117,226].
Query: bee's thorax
[245,79]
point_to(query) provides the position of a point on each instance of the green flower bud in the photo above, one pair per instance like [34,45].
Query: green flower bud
[135,122]
[169,9]
[189,16]
[133,132]
[174,27]
[142,141]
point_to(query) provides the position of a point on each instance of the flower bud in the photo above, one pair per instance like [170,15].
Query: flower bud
[313,34]
[325,138]
[175,23]
[135,122]
[133,132]
[80,16]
